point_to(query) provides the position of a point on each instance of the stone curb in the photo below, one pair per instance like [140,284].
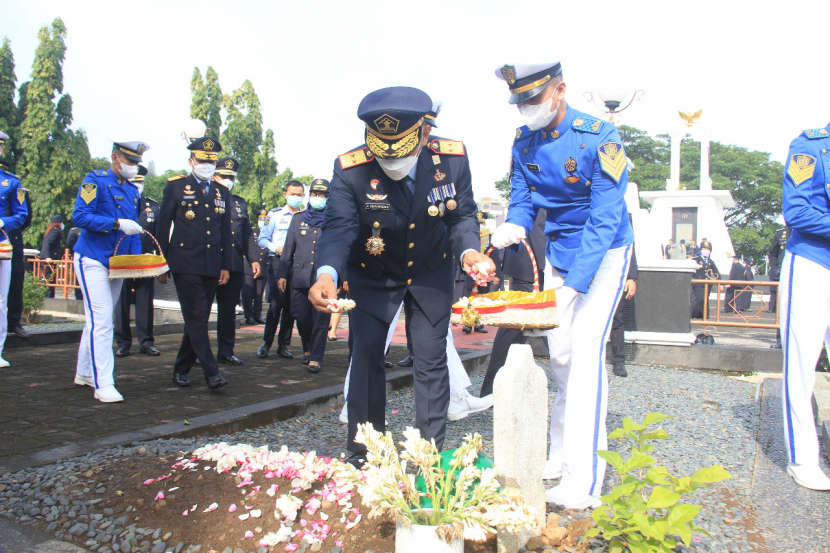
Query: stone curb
[17,538]
[74,336]
[232,420]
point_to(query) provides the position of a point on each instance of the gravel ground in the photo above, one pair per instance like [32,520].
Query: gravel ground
[717,422]
[42,328]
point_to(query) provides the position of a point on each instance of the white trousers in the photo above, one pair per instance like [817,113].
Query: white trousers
[577,361]
[459,380]
[805,324]
[5,280]
[95,358]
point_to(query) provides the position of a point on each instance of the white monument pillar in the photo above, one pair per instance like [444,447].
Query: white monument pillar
[673,182]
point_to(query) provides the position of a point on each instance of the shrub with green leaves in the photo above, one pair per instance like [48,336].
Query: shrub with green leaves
[645,511]
[33,294]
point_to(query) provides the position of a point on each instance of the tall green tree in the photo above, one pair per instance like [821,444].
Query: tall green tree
[504,186]
[54,158]
[207,100]
[8,83]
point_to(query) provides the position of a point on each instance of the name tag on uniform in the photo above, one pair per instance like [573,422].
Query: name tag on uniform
[121,198]
[189,197]
[375,207]
[533,167]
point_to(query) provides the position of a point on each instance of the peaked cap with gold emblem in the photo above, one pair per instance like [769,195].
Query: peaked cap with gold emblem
[227,166]
[394,120]
[432,115]
[526,80]
[142,172]
[132,150]
[205,149]
[319,185]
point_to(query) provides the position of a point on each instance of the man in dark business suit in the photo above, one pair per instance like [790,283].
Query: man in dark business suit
[400,217]
[198,254]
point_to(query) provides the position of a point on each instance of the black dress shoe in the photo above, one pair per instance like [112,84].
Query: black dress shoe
[481,329]
[306,359]
[282,351]
[197,363]
[387,364]
[216,381]
[357,460]
[407,361]
[259,321]
[619,370]
[19,331]
[232,360]
[262,351]
[466,329]
[314,369]
[332,338]
[149,350]
[181,380]
[122,352]
[249,321]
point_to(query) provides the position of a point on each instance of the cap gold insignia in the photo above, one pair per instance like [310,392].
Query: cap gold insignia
[319,181]
[612,159]
[801,168]
[208,145]
[88,191]
[386,124]
[439,176]
[5,182]
[509,74]
[229,164]
[570,165]
[141,148]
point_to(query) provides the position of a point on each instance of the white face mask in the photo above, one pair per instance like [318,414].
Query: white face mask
[140,186]
[538,116]
[397,169]
[227,183]
[127,171]
[204,171]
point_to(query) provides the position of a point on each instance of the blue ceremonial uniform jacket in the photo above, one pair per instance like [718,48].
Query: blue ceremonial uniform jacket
[807,195]
[13,210]
[103,198]
[578,172]
[420,252]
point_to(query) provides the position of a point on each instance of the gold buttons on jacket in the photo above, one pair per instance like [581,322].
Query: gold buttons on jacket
[312,263]
[181,245]
[409,264]
[208,218]
[208,245]
[208,232]
[587,183]
[533,188]
[526,151]
[412,225]
[445,256]
[409,281]
[312,251]
[411,245]
[363,265]
[377,225]
[314,241]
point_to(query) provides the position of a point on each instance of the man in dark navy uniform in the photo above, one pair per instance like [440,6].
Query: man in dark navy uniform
[138,290]
[400,218]
[707,269]
[227,296]
[254,287]
[15,307]
[198,253]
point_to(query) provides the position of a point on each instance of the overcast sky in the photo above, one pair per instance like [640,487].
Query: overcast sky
[758,69]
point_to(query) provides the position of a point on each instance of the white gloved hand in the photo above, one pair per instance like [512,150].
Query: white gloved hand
[128,227]
[507,234]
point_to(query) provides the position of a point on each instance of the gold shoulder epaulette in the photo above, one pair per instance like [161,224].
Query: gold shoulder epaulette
[355,158]
[451,147]
[177,177]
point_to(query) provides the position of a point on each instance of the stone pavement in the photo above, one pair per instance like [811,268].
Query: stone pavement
[41,408]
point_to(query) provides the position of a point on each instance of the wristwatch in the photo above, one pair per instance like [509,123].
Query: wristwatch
[116,225]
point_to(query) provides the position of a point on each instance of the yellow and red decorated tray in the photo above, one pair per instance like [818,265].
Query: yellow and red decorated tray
[145,265]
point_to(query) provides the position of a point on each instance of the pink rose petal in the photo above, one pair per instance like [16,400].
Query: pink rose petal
[291,547]
[338,543]
[249,534]
[148,482]
[303,523]
[185,513]
[232,508]
[159,495]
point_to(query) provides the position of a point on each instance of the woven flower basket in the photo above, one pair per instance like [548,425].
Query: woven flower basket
[514,309]
[145,265]
[5,246]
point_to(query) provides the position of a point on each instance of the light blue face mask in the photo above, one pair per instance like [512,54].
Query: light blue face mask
[294,201]
[318,203]
[63,226]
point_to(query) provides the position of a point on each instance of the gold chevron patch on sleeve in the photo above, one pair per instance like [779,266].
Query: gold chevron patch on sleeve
[612,159]
[801,168]
[21,196]
[88,191]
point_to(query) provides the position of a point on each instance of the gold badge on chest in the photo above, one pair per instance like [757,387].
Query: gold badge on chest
[190,215]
